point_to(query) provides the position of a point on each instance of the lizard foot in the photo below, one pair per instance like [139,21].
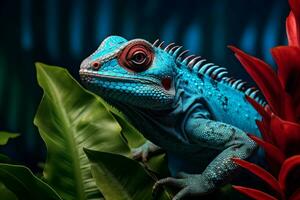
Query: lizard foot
[189,185]
[144,150]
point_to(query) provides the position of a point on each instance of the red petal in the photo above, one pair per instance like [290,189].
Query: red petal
[264,76]
[286,135]
[253,193]
[259,108]
[292,137]
[295,7]
[288,62]
[291,30]
[265,131]
[278,134]
[298,113]
[295,195]
[288,165]
[260,172]
[272,152]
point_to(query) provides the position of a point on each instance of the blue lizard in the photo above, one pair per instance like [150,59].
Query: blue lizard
[182,104]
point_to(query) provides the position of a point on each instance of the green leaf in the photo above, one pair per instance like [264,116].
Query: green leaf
[20,180]
[70,118]
[133,137]
[6,193]
[120,178]
[5,159]
[5,136]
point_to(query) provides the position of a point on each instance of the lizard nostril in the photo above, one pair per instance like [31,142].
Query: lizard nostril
[96,65]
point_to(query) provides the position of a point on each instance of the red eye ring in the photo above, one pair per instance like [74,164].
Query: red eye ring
[136,57]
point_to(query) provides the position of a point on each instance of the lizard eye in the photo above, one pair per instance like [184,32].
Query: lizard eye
[139,58]
[136,57]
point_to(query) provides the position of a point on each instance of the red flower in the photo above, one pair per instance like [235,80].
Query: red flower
[279,187]
[280,125]
[288,62]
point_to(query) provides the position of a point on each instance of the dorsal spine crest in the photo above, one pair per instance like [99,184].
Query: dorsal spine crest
[202,67]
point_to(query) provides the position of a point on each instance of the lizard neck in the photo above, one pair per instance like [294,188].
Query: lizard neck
[166,127]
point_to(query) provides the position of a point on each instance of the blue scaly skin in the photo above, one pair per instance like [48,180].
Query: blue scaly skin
[182,104]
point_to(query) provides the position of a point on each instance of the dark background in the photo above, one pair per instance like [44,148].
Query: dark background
[63,33]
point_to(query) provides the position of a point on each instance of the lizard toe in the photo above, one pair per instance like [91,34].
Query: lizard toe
[182,193]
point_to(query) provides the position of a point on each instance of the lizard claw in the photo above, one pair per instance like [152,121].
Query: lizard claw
[189,185]
[140,152]
[166,181]
[143,151]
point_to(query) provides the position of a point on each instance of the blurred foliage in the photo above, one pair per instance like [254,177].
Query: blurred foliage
[6,193]
[89,144]
[5,136]
[24,184]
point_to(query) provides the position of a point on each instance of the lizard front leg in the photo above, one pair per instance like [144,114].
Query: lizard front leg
[144,150]
[229,140]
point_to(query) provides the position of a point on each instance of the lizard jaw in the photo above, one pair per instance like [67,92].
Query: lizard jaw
[165,83]
[83,73]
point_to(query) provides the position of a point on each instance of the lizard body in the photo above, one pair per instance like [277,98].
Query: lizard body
[182,104]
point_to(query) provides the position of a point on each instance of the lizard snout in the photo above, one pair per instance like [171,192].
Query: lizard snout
[85,63]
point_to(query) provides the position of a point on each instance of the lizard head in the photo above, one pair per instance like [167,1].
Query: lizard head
[131,72]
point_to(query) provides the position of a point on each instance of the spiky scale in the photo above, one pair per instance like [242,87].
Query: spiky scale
[155,42]
[176,52]
[185,61]
[257,99]
[225,79]
[248,91]
[161,44]
[235,84]
[222,75]
[253,94]
[169,46]
[241,85]
[231,81]
[193,61]
[205,67]
[198,65]
[171,51]
[211,70]
[219,70]
[182,53]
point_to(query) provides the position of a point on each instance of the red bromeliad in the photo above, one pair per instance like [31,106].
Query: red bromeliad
[280,125]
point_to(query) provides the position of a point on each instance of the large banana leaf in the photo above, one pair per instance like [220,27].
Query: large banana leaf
[70,118]
[24,184]
[120,178]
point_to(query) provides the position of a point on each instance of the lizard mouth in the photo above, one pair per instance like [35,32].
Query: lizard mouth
[84,74]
